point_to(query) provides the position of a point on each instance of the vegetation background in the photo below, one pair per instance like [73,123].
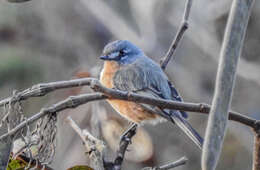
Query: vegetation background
[44,41]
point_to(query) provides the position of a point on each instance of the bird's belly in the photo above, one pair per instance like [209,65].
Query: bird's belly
[131,111]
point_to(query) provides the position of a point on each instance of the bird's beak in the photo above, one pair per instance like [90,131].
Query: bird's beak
[103,57]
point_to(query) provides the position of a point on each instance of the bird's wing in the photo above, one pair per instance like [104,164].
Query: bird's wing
[175,95]
[143,74]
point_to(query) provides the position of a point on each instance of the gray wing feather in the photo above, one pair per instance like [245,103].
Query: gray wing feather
[141,75]
[130,79]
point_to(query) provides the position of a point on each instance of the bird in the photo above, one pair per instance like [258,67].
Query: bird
[127,68]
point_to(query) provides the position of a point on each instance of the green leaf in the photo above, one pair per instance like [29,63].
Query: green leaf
[80,167]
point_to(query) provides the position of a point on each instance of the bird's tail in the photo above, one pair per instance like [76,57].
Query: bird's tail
[187,129]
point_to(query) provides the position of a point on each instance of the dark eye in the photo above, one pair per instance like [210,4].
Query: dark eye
[121,52]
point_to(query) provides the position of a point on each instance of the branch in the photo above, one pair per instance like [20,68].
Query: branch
[229,56]
[93,145]
[169,104]
[183,27]
[181,161]
[74,101]
[70,102]
[95,149]
[124,142]
[45,88]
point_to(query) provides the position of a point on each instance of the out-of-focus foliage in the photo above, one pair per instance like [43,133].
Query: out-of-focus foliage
[19,70]
[80,167]
[16,165]
[43,41]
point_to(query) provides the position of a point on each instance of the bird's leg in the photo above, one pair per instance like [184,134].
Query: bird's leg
[131,129]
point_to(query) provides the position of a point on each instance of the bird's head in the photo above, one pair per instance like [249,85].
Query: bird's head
[121,51]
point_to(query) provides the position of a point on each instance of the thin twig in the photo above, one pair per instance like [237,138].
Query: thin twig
[183,27]
[44,88]
[229,56]
[124,142]
[74,101]
[70,102]
[93,145]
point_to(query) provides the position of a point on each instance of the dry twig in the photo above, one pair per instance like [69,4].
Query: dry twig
[183,27]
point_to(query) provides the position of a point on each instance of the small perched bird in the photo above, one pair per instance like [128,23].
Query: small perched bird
[127,68]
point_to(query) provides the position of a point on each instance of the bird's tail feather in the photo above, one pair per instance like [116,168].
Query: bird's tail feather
[187,129]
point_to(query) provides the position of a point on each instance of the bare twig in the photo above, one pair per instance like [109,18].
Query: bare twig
[93,145]
[183,27]
[75,101]
[71,102]
[181,161]
[230,52]
[45,88]
[124,142]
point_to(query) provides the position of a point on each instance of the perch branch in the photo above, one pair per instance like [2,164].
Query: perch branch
[183,27]
[74,101]
[229,56]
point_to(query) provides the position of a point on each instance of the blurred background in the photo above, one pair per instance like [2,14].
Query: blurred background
[44,41]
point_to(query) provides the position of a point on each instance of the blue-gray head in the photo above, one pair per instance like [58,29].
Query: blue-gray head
[121,51]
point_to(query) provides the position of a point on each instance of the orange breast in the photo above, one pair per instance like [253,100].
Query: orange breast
[130,110]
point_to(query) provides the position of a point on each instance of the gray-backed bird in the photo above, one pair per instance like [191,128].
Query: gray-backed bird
[127,68]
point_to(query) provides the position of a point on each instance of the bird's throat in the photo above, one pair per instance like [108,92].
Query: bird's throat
[108,72]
